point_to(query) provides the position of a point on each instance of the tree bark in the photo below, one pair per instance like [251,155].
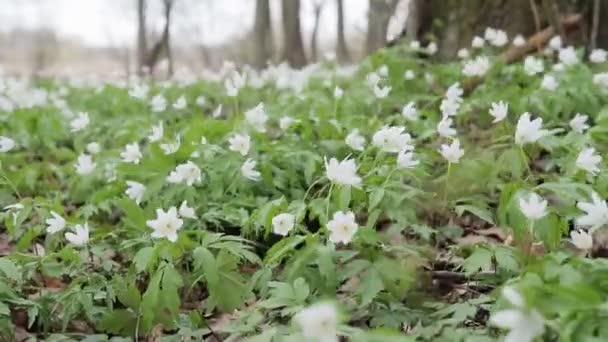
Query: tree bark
[314,48]
[262,32]
[142,44]
[293,49]
[342,53]
[378,16]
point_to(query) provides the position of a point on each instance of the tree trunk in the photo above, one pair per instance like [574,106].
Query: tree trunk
[342,53]
[163,44]
[142,44]
[262,32]
[293,49]
[602,26]
[378,16]
[318,7]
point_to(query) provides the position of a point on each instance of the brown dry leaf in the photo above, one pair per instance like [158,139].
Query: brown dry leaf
[156,334]
[53,283]
[5,246]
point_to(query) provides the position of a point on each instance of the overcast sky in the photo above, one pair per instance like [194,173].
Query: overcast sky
[112,22]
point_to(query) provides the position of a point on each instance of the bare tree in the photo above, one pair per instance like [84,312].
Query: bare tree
[378,16]
[142,41]
[293,48]
[262,32]
[314,48]
[342,53]
[163,45]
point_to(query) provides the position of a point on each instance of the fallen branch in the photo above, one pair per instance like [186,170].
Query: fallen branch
[534,43]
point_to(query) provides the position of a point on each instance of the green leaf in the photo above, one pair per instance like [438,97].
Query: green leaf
[118,322]
[375,198]
[344,196]
[142,258]
[370,286]
[481,259]
[483,213]
[9,269]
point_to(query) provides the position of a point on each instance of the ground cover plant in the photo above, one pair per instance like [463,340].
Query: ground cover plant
[397,200]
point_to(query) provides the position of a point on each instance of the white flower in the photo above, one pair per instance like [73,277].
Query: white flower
[157,132]
[449,107]
[444,127]
[248,170]
[568,56]
[581,240]
[579,123]
[414,45]
[355,140]
[500,38]
[166,224]
[180,103]
[319,323]
[499,111]
[342,172]
[231,90]
[283,223]
[372,79]
[200,100]
[84,164]
[342,227]
[519,41]
[80,122]
[463,53]
[139,92]
[534,208]
[596,212]
[172,147]
[528,131]
[559,67]
[383,70]
[187,173]
[135,191]
[410,112]
[555,43]
[589,161]
[524,325]
[598,56]
[381,92]
[257,117]
[93,148]
[601,80]
[185,211]
[405,160]
[452,153]
[477,42]
[158,103]
[55,224]
[338,92]
[533,65]
[489,33]
[392,139]
[6,144]
[240,143]
[285,122]
[217,111]
[454,93]
[409,75]
[431,49]
[131,154]
[549,83]
[81,237]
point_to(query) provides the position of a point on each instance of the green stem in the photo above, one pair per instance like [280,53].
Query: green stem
[331,187]
[447,180]
[525,159]
[310,188]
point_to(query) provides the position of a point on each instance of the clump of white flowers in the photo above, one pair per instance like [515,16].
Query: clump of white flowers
[476,67]
[319,322]
[257,117]
[524,324]
[392,139]
[187,173]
